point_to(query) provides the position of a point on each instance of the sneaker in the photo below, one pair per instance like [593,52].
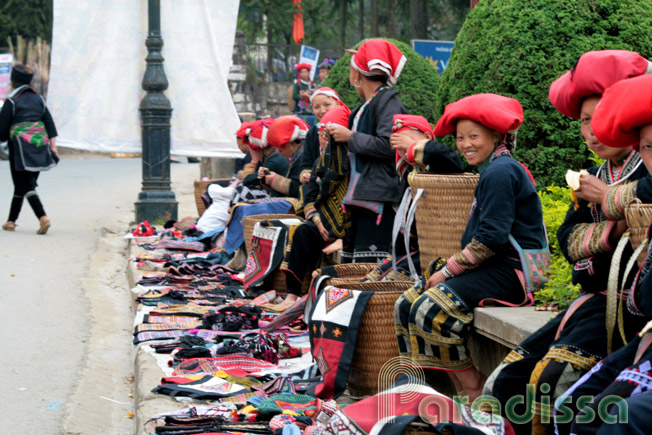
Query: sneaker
[45,225]
[9,226]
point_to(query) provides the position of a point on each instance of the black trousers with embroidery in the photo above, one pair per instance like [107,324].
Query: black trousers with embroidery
[24,187]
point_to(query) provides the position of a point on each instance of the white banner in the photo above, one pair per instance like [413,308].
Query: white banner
[310,56]
[5,76]
[98,63]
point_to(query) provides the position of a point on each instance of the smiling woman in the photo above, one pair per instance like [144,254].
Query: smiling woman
[506,218]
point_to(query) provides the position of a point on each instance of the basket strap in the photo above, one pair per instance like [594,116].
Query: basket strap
[612,289]
[399,221]
[406,234]
[645,342]
[621,302]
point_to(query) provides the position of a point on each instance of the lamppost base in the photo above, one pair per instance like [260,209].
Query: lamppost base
[156,205]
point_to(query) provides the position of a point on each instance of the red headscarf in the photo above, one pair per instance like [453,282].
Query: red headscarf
[301,66]
[624,108]
[327,92]
[258,134]
[285,129]
[337,115]
[594,73]
[411,122]
[496,112]
[377,56]
[243,131]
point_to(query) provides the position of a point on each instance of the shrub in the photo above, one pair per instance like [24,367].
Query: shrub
[418,82]
[558,291]
[518,48]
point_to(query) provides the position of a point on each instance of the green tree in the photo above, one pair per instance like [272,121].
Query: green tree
[29,18]
[418,82]
[517,49]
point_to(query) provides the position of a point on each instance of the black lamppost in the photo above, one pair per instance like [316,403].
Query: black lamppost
[155,201]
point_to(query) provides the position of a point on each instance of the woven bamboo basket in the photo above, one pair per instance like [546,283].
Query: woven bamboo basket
[200,188]
[249,222]
[442,212]
[376,343]
[639,218]
[277,277]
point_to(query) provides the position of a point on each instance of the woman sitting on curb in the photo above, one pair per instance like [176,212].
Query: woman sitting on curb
[432,323]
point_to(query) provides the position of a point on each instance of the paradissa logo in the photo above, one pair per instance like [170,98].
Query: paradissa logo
[437,408]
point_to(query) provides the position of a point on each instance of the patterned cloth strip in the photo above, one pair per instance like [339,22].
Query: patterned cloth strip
[31,132]
[196,366]
[158,335]
[148,327]
[178,245]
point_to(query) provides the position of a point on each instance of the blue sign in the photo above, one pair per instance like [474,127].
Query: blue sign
[436,52]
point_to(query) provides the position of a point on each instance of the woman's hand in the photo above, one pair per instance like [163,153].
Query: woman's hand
[323,232]
[339,133]
[305,177]
[437,278]
[53,146]
[401,143]
[262,171]
[591,189]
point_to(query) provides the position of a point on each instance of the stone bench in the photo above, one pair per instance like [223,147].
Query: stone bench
[497,330]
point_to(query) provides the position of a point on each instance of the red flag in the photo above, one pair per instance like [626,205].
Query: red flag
[297,24]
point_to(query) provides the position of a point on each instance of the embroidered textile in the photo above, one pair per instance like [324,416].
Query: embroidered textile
[333,329]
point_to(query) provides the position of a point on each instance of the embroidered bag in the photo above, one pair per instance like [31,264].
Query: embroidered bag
[535,263]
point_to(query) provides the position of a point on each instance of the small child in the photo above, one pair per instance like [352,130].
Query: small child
[303,90]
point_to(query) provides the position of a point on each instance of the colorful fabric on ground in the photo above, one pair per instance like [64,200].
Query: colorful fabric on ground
[298,404]
[289,315]
[158,335]
[389,410]
[179,245]
[235,232]
[333,328]
[209,366]
[267,249]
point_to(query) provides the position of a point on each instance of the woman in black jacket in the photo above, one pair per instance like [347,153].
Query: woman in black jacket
[374,185]
[26,123]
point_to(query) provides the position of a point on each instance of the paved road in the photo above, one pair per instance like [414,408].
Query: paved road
[47,314]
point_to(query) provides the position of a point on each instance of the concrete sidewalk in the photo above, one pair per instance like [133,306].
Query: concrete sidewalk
[147,374]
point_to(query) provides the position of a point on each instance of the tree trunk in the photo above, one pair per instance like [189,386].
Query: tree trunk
[374,18]
[391,19]
[343,5]
[418,20]
[270,52]
[361,18]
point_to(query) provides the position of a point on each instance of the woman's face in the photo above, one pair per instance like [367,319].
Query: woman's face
[243,147]
[322,104]
[304,74]
[646,146]
[289,149]
[475,141]
[603,151]
[323,73]
[355,78]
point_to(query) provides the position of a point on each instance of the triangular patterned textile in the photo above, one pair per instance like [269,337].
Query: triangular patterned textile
[334,324]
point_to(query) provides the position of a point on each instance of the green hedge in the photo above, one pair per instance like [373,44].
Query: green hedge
[418,82]
[518,48]
[558,291]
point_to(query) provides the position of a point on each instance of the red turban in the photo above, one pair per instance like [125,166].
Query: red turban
[258,133]
[377,56]
[624,108]
[285,129]
[594,73]
[496,112]
[337,115]
[411,122]
[301,66]
[327,92]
